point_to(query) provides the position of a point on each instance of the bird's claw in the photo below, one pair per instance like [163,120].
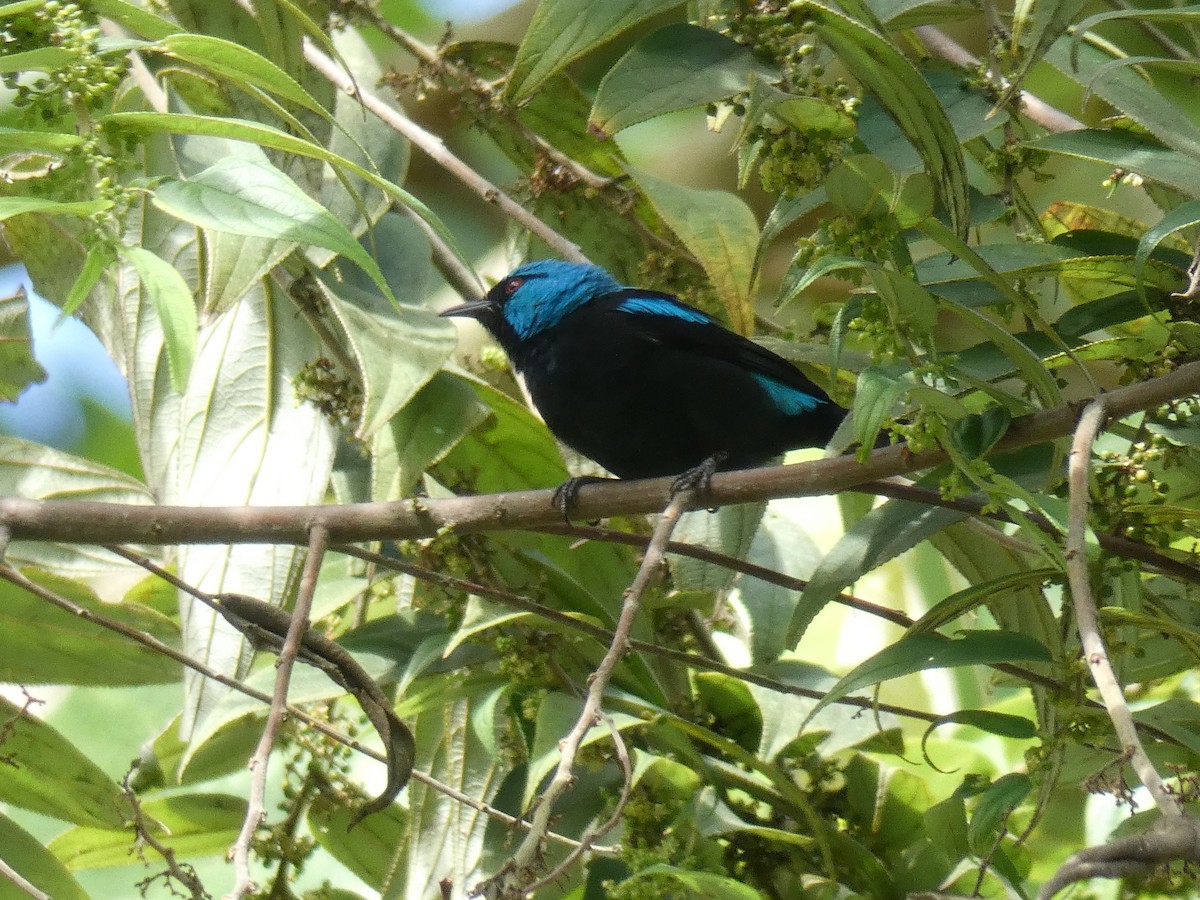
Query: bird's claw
[699,477]
[567,494]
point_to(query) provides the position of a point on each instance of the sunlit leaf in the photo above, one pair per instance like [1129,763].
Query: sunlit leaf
[563,30]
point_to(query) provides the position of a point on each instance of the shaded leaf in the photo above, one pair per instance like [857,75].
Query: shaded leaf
[18,367]
[720,230]
[676,67]
[46,773]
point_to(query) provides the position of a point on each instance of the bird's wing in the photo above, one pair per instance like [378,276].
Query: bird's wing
[664,318]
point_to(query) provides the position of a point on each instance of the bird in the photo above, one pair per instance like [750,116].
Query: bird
[643,383]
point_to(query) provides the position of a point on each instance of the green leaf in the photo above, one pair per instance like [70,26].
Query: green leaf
[239,64]
[1003,724]
[1183,216]
[443,412]
[36,472]
[28,858]
[720,230]
[563,30]
[918,652]
[1128,152]
[135,18]
[189,824]
[556,717]
[391,379]
[976,433]
[993,807]
[266,136]
[43,59]
[880,535]
[511,451]
[176,308]
[1133,95]
[18,367]
[962,602]
[699,884]
[40,643]
[907,98]
[368,850]
[874,401]
[46,773]
[861,186]
[255,199]
[19,206]
[676,67]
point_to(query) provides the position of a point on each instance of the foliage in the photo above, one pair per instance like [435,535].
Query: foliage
[248,244]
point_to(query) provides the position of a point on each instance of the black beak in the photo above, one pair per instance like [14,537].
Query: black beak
[482,310]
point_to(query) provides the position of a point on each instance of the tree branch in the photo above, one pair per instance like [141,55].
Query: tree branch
[108,523]
[1175,836]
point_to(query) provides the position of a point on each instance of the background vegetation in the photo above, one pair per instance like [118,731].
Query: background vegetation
[974,223]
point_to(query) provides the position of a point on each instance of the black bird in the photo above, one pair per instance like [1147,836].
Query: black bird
[641,382]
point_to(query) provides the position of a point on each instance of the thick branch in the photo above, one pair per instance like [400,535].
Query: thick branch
[106,523]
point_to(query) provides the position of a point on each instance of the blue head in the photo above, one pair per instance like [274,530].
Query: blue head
[536,297]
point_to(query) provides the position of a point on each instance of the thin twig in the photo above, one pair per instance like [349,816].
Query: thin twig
[256,808]
[1079,504]
[11,874]
[514,875]
[435,149]
[1036,109]
[152,643]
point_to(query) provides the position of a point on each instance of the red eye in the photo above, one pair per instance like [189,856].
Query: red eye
[510,286]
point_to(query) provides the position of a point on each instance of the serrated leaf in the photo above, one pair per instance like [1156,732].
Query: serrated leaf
[46,773]
[19,206]
[442,413]
[1128,152]
[37,472]
[266,136]
[918,652]
[676,67]
[564,30]
[1003,724]
[368,850]
[720,230]
[907,98]
[880,535]
[1183,216]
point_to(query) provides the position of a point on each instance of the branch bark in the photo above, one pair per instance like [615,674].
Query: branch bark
[108,523]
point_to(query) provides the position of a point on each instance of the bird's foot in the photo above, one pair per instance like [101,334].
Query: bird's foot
[567,493]
[699,478]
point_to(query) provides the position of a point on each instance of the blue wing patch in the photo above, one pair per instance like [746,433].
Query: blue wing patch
[792,401]
[660,306]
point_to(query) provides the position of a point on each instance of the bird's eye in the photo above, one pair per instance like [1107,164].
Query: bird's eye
[510,286]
